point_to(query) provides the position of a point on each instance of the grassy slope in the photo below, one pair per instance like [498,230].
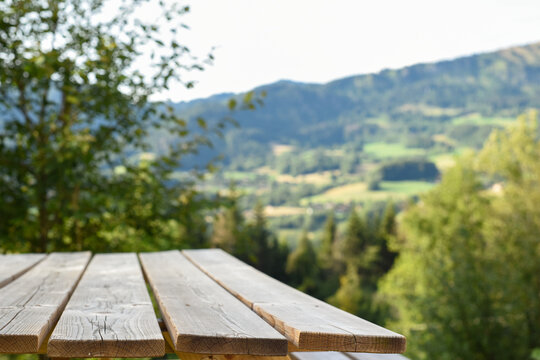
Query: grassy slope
[358,192]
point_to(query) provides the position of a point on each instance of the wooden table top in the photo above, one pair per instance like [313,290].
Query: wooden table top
[78,305]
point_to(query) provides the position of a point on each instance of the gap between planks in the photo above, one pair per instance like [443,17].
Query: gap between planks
[110,313]
[203,317]
[305,321]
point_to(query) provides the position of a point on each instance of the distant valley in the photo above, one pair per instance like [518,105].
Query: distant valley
[364,139]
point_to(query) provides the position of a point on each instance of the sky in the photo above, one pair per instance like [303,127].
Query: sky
[262,41]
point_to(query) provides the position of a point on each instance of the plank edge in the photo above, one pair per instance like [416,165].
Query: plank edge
[60,348]
[356,343]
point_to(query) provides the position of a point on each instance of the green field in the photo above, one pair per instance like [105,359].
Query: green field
[406,187]
[358,192]
[382,150]
[476,119]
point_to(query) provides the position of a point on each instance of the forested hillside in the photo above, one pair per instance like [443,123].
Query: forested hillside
[408,197]
[360,140]
[457,97]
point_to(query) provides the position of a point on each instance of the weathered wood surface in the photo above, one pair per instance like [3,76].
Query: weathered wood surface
[307,322]
[196,356]
[201,316]
[13,266]
[31,305]
[110,314]
[319,355]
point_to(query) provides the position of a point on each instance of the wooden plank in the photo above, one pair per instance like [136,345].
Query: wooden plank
[14,265]
[31,305]
[110,314]
[307,322]
[319,355]
[195,356]
[201,316]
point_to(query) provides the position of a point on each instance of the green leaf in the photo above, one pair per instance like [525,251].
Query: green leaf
[72,99]
[201,123]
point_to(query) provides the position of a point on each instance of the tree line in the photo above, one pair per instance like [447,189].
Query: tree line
[456,271]
[457,274]
[343,269]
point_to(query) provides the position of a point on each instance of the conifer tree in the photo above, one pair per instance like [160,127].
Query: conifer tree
[228,228]
[351,295]
[259,236]
[358,248]
[328,281]
[386,233]
[302,265]
[326,251]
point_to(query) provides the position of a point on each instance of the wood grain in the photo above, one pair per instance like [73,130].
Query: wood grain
[201,316]
[110,314]
[14,265]
[196,356]
[307,322]
[31,305]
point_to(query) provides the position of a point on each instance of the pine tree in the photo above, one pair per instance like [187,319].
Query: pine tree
[228,230]
[259,238]
[361,252]
[356,248]
[302,265]
[386,233]
[328,281]
[326,251]
[351,296]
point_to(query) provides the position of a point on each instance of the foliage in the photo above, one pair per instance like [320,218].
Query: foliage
[351,294]
[228,232]
[365,257]
[309,162]
[463,285]
[412,169]
[326,259]
[408,106]
[271,255]
[250,241]
[326,251]
[302,265]
[75,125]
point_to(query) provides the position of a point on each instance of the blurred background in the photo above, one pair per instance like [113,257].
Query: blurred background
[383,157]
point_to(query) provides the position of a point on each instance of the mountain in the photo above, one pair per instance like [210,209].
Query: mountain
[461,98]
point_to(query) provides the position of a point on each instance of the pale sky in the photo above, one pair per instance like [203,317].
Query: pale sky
[261,41]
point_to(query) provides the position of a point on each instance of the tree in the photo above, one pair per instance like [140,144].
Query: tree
[386,234]
[326,251]
[465,284]
[358,247]
[229,229]
[260,236]
[440,273]
[351,296]
[361,248]
[328,281]
[510,159]
[268,254]
[76,115]
[302,265]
